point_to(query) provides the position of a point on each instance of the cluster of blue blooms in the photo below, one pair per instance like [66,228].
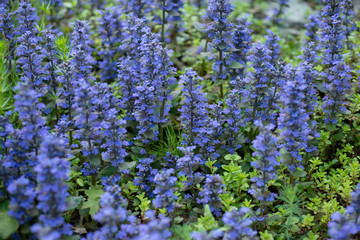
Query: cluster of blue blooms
[116,97]
[343,226]
[265,162]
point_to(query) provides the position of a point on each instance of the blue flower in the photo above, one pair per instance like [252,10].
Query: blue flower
[28,105]
[293,119]
[26,18]
[22,195]
[265,161]
[279,11]
[238,225]
[349,15]
[116,223]
[155,228]
[342,226]
[50,69]
[52,172]
[336,90]
[170,12]
[188,163]
[312,28]
[272,43]
[219,31]
[110,31]
[213,187]
[255,93]
[332,31]
[164,190]
[193,110]
[138,8]
[30,59]
[7,27]
[241,43]
[112,127]
[146,174]
[81,51]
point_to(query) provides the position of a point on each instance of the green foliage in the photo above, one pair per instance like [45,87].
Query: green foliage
[142,203]
[181,232]
[8,224]
[93,200]
[63,47]
[206,222]
[6,102]
[235,179]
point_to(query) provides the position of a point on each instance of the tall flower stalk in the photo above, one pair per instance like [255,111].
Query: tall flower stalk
[51,190]
[218,30]
[265,161]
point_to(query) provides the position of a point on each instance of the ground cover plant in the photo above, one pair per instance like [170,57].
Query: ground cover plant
[205,120]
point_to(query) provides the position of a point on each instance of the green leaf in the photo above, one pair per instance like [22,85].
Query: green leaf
[198,26]
[222,46]
[8,224]
[109,171]
[67,4]
[149,134]
[236,65]
[246,167]
[231,157]
[178,220]
[80,182]
[94,160]
[206,54]
[299,173]
[73,202]
[94,193]
[174,13]
[127,165]
[92,205]
[73,237]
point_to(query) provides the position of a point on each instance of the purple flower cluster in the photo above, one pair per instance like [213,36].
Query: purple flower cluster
[7,27]
[219,31]
[87,120]
[241,45]
[81,51]
[137,7]
[146,174]
[164,190]
[50,53]
[194,111]
[52,172]
[210,194]
[187,164]
[279,11]
[238,224]
[155,228]
[348,19]
[342,226]
[110,31]
[293,119]
[337,74]
[312,28]
[116,224]
[265,162]
[338,87]
[26,17]
[255,93]
[24,143]
[22,199]
[113,133]
[332,31]
[170,14]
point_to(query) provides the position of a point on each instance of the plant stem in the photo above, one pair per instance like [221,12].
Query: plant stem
[163,22]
